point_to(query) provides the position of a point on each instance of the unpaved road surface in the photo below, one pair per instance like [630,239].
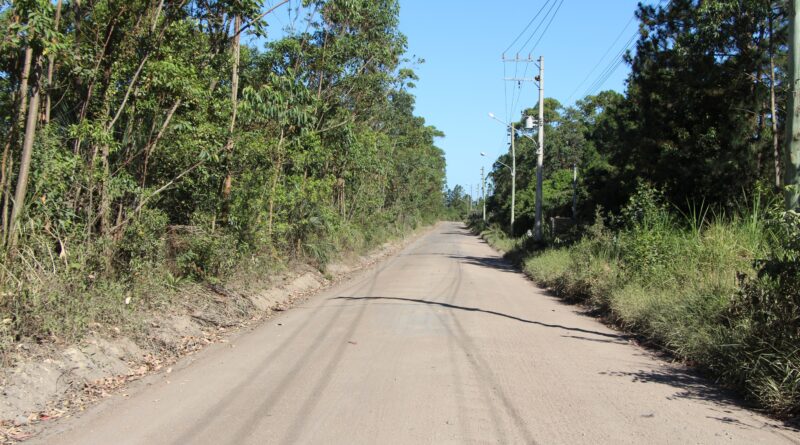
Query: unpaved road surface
[442,343]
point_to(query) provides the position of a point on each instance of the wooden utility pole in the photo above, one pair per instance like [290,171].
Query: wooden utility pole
[792,163]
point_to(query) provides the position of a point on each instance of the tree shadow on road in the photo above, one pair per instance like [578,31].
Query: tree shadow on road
[619,341]
[694,386]
[496,263]
[475,309]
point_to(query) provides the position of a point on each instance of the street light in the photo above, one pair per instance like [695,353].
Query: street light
[483,189]
[500,162]
[538,144]
[513,169]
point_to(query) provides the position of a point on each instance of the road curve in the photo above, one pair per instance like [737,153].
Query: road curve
[442,343]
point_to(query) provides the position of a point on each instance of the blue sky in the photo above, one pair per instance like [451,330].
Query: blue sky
[461,79]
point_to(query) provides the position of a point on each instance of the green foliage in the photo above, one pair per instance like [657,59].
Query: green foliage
[766,319]
[457,202]
[696,121]
[144,179]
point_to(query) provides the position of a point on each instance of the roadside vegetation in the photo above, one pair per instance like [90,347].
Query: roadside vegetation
[720,293]
[147,145]
[680,234]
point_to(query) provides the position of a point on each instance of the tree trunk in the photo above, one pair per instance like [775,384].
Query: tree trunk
[25,161]
[5,175]
[277,172]
[151,145]
[776,147]
[226,189]
[50,67]
[105,195]
[23,86]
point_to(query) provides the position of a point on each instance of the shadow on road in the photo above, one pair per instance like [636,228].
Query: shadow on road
[475,309]
[485,261]
[694,386]
[690,386]
[619,341]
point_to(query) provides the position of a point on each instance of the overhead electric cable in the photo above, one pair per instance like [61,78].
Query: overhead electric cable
[613,64]
[546,21]
[545,28]
[602,58]
[527,26]
[539,26]
[611,67]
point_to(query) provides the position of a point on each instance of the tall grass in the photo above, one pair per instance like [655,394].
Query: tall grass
[695,285]
[56,294]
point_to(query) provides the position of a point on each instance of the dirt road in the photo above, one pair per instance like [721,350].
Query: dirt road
[442,343]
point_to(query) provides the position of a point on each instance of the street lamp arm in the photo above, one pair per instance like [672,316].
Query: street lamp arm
[505,165]
[535,142]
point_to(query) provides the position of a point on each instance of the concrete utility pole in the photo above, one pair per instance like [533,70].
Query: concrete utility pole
[792,162]
[513,167]
[483,192]
[513,178]
[540,154]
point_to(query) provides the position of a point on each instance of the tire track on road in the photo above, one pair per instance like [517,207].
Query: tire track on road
[207,418]
[482,368]
[304,413]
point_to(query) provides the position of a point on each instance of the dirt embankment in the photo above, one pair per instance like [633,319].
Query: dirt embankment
[48,381]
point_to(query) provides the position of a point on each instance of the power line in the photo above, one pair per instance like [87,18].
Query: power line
[612,66]
[548,18]
[602,58]
[539,26]
[521,86]
[600,84]
[541,36]
[505,91]
[527,26]
[546,27]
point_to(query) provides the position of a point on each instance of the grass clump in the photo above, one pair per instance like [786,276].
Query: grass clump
[720,292]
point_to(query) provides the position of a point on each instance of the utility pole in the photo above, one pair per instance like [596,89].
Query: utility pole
[540,153]
[540,144]
[483,192]
[470,198]
[792,162]
[519,80]
[513,178]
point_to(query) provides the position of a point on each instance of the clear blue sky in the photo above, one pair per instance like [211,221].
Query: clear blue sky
[461,79]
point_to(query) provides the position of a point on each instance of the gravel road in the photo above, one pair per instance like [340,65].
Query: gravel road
[441,343]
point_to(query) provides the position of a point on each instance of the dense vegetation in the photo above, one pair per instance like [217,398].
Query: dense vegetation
[144,144]
[681,233]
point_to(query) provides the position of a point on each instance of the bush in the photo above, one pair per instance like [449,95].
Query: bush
[764,323]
